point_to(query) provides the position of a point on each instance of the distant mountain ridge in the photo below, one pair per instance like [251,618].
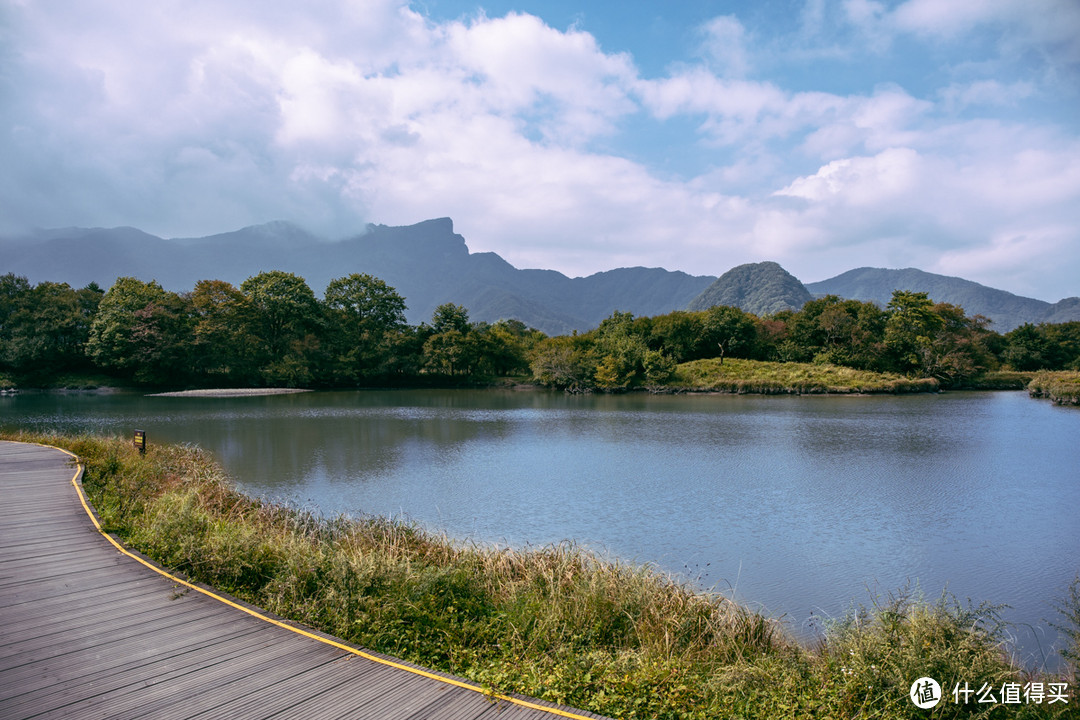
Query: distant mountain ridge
[429,264]
[1006,310]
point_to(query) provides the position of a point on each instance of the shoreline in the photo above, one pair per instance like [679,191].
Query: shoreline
[231,392]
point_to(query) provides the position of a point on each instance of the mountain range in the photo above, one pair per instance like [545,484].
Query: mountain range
[429,264]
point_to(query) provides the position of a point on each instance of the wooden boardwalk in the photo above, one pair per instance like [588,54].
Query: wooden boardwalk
[89,632]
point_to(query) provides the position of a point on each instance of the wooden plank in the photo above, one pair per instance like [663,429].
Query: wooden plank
[88,632]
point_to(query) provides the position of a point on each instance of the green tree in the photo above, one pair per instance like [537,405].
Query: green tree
[451,347]
[620,348]
[48,333]
[223,348]
[1063,344]
[658,367]
[909,329]
[936,339]
[844,332]
[141,329]
[286,318]
[727,330]
[449,316]
[363,315]
[678,334]
[1027,348]
[566,362]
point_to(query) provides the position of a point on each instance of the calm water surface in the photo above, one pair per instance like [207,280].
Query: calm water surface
[797,505]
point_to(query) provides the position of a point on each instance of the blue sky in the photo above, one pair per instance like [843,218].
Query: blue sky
[692,135]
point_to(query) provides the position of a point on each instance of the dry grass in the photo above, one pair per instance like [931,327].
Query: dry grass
[1061,387]
[755,376]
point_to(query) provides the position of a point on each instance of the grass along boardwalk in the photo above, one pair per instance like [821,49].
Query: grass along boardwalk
[93,631]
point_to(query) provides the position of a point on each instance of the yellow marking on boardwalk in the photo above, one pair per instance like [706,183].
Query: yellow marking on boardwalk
[75,481]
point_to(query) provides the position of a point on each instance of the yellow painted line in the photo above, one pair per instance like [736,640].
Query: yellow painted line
[341,646]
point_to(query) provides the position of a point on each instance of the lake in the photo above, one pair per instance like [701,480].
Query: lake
[798,506]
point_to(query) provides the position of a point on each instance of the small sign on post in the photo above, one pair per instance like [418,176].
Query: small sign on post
[140,441]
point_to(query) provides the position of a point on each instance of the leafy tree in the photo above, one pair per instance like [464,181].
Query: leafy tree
[449,353]
[364,314]
[911,325]
[48,333]
[678,334]
[566,362]
[505,347]
[285,317]
[222,344]
[959,348]
[726,330]
[620,349]
[844,332]
[658,366]
[451,347]
[1026,349]
[367,303]
[141,329]
[14,295]
[1063,344]
[449,316]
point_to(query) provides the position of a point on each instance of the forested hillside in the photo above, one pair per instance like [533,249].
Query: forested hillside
[273,330]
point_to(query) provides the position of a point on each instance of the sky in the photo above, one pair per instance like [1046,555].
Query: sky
[579,136]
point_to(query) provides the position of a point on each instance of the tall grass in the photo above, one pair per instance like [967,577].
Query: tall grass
[1061,387]
[756,376]
[555,622]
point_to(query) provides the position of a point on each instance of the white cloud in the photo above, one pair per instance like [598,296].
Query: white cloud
[197,117]
[959,96]
[725,46]
[884,178]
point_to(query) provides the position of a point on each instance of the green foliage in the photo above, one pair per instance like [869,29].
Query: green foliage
[678,334]
[876,653]
[273,331]
[449,316]
[223,346]
[365,314]
[567,362]
[910,326]
[141,329]
[727,331]
[44,329]
[283,317]
[1043,347]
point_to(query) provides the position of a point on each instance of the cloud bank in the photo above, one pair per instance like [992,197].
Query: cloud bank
[188,118]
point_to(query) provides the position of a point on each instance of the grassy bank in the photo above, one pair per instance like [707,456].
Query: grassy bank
[755,376]
[1062,388]
[554,622]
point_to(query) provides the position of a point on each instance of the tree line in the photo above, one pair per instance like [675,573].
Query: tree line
[272,330]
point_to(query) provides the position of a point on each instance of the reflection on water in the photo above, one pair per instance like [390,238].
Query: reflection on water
[798,505]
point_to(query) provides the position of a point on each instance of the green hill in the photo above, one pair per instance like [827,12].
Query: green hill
[761,288]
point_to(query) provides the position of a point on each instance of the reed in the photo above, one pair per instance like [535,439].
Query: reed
[756,376]
[1061,387]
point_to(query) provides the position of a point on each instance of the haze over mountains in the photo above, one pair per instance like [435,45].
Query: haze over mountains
[429,264]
